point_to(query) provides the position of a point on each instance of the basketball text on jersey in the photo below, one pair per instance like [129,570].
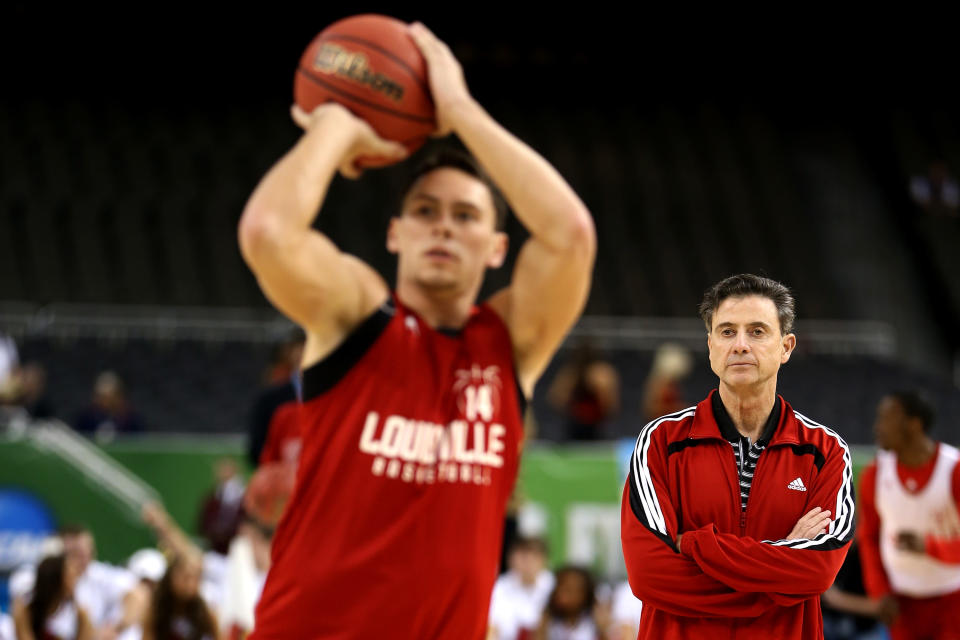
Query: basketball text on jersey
[465,450]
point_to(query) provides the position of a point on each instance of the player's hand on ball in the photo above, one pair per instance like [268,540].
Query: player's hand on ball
[447,84]
[811,524]
[365,141]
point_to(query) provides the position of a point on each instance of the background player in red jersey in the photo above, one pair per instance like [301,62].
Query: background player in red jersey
[909,533]
[399,535]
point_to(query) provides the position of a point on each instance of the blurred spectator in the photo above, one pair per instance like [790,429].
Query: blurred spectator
[937,193]
[848,613]
[274,432]
[232,585]
[8,358]
[149,566]
[177,610]
[221,510]
[7,631]
[52,611]
[520,595]
[103,590]
[573,612]
[109,412]
[33,391]
[586,391]
[662,392]
[25,390]
[286,358]
[625,613]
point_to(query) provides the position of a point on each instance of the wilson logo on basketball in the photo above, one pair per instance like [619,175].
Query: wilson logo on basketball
[334,60]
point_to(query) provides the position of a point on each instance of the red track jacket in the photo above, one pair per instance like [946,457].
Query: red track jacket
[735,575]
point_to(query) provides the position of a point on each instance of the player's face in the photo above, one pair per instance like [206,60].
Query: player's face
[445,236]
[889,424]
[745,343]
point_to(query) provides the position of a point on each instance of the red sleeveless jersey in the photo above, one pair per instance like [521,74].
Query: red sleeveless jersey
[411,442]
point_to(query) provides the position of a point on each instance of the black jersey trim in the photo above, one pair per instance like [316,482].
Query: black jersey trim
[521,396]
[638,511]
[809,449]
[679,445]
[325,374]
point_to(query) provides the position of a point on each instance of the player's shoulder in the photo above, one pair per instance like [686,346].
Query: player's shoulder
[949,452]
[869,472]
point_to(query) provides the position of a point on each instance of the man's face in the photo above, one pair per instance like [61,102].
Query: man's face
[745,343]
[79,548]
[527,562]
[445,236]
[891,425]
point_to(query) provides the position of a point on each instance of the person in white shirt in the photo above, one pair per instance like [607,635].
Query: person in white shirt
[625,613]
[232,584]
[573,611]
[520,595]
[8,357]
[50,611]
[102,589]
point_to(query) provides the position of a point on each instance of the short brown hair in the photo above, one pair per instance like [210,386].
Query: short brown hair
[747,284]
[916,404]
[454,158]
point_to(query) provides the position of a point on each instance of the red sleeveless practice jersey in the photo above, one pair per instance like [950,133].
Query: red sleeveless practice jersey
[411,442]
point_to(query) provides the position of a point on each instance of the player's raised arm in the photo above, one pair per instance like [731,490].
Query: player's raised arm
[299,269]
[552,277]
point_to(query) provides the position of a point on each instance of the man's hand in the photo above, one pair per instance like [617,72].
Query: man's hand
[155,517]
[447,84]
[886,609]
[811,524]
[910,541]
[365,143]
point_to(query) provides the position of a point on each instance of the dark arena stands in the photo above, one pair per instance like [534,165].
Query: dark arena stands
[129,146]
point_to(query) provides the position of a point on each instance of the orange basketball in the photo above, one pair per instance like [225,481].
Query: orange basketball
[370,65]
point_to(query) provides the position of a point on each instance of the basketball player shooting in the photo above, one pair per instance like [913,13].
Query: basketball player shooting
[413,398]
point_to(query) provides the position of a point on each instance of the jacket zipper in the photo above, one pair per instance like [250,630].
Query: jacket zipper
[743,512]
[738,465]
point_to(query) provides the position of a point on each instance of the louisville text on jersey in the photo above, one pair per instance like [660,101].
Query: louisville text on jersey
[425,452]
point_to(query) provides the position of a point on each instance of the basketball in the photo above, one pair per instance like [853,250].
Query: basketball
[369,64]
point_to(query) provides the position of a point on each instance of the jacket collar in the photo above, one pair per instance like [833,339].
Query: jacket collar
[709,422]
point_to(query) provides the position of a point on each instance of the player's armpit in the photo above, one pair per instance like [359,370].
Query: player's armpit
[875,580]
[313,283]
[546,295]
[300,270]
[944,543]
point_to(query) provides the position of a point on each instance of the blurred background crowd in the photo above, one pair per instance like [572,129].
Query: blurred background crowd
[127,318]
